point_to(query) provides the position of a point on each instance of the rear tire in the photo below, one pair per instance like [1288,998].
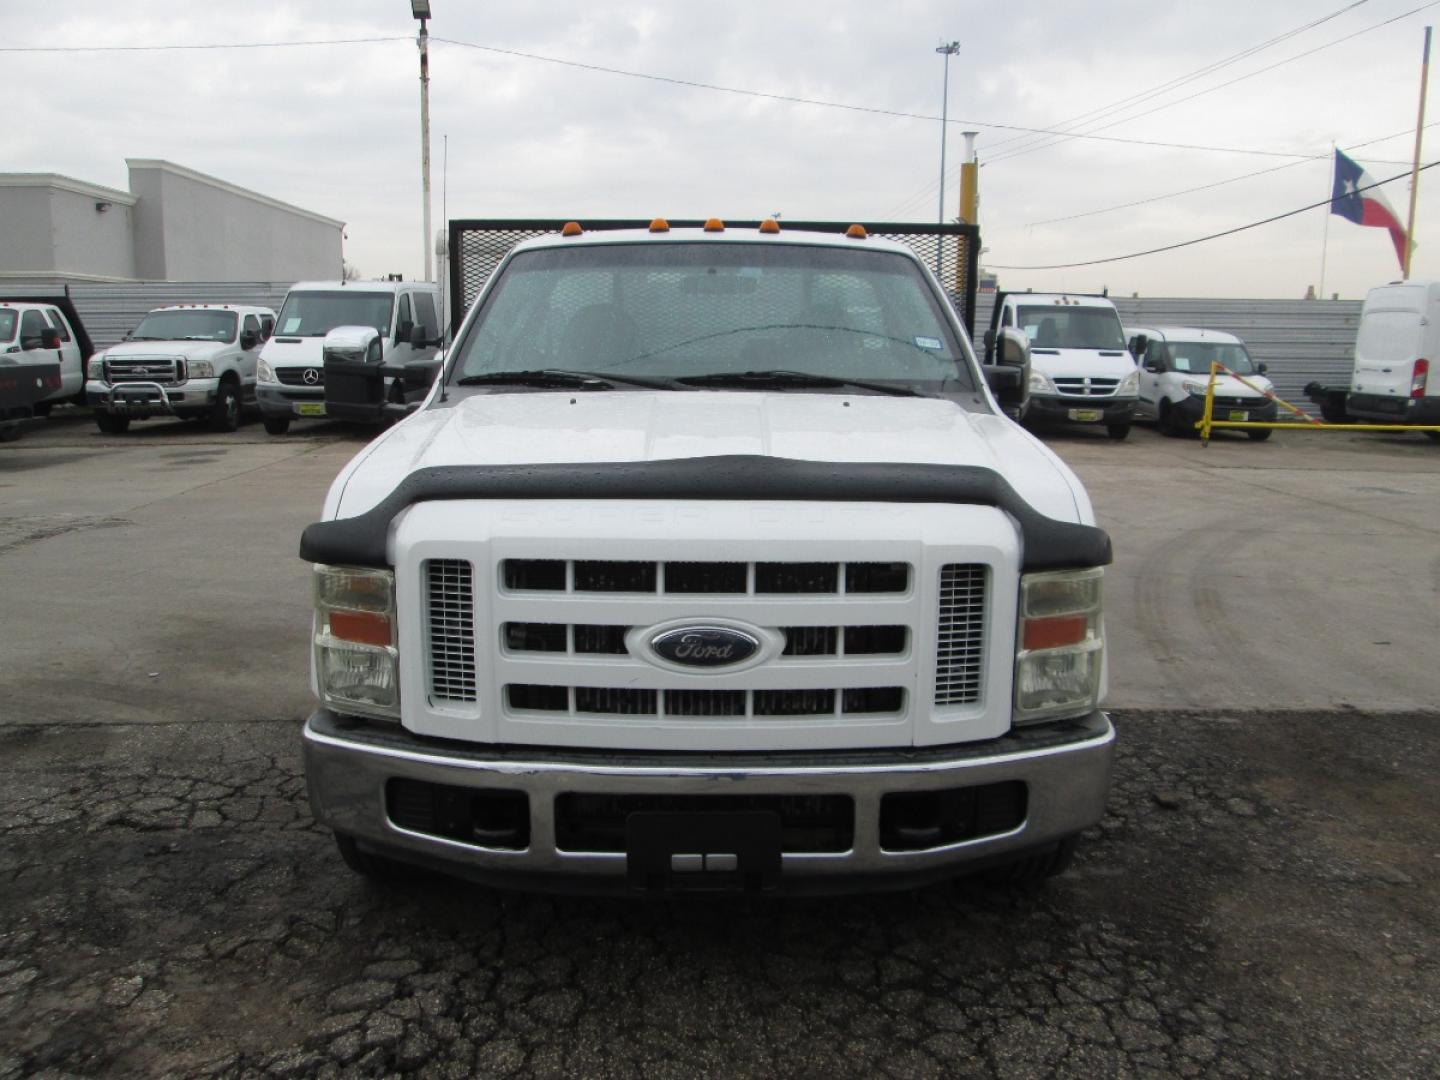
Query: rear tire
[1117,431]
[277,425]
[1433,435]
[225,413]
[368,865]
[42,408]
[111,424]
[1259,434]
[1035,867]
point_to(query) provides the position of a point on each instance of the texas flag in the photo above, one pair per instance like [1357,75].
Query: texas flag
[1364,207]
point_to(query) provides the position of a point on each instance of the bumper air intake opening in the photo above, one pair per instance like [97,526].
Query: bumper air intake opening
[483,817]
[921,820]
[808,823]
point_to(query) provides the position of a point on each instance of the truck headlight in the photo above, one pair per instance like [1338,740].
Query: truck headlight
[96,369]
[1190,386]
[1040,383]
[264,372]
[200,369]
[1061,648]
[1130,384]
[356,663]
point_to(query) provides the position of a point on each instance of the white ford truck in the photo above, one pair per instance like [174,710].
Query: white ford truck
[710,562]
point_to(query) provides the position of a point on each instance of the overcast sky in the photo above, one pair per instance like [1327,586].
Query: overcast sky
[335,128]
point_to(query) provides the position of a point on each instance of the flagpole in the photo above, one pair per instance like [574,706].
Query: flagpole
[1415,166]
[1325,241]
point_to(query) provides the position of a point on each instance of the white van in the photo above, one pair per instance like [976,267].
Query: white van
[1398,342]
[292,366]
[1175,372]
[1080,371]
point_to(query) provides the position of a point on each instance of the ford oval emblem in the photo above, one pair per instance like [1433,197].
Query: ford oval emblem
[705,646]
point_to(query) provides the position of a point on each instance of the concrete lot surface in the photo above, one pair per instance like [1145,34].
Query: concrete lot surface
[1261,897]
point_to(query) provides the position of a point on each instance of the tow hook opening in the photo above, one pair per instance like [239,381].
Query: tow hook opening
[488,818]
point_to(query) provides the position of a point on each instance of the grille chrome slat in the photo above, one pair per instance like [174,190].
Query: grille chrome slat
[450,629]
[721,578]
[960,643]
[760,704]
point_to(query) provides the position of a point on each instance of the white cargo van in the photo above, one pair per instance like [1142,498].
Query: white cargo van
[1398,342]
[292,366]
[1080,371]
[1175,374]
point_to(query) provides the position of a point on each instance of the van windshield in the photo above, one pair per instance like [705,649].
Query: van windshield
[688,310]
[315,314]
[193,325]
[1194,357]
[8,322]
[1057,326]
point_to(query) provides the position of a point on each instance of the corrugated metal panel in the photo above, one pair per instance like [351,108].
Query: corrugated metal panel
[110,311]
[1300,340]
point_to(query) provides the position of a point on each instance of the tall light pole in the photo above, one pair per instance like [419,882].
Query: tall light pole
[421,10]
[948,50]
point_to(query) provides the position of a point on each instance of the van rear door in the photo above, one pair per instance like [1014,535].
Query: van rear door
[1392,329]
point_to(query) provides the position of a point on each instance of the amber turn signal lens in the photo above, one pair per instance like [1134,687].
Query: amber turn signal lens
[1055,631]
[363,627]
[769,225]
[571,228]
[714,225]
[659,225]
[856,232]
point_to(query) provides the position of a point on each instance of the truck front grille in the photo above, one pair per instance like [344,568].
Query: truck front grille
[297,376]
[959,646]
[165,370]
[583,638]
[627,701]
[1086,387]
[450,629]
[735,578]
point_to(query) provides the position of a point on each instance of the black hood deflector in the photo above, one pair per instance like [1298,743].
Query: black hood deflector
[1049,544]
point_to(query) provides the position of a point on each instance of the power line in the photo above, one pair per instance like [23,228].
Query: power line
[1198,73]
[1218,86]
[1222,183]
[867,109]
[207,45]
[1212,236]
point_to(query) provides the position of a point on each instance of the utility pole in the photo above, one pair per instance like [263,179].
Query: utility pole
[421,10]
[1415,167]
[947,50]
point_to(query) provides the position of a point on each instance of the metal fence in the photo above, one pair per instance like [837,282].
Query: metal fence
[478,245]
[1299,340]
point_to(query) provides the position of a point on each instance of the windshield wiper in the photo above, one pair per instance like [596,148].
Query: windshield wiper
[561,377]
[780,378]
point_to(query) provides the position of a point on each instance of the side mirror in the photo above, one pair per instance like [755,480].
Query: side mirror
[1262,367]
[1007,383]
[249,339]
[1014,348]
[49,338]
[418,340]
[418,376]
[989,340]
[402,330]
[1138,344]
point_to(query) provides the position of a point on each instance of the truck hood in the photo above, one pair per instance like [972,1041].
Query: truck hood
[625,426]
[191,350]
[1077,363]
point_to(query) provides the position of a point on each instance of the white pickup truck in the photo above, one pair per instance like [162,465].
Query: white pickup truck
[194,361]
[710,562]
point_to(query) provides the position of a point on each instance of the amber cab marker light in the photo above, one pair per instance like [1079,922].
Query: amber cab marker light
[571,228]
[714,225]
[1055,631]
[769,225]
[856,232]
[364,627]
[659,225]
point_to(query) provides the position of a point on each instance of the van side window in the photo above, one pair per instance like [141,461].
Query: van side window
[402,314]
[32,325]
[425,315]
[59,323]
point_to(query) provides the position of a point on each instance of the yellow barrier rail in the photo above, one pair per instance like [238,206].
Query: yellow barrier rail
[1208,423]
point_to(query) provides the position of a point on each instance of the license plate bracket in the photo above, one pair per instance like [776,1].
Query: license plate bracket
[706,851]
[1239,415]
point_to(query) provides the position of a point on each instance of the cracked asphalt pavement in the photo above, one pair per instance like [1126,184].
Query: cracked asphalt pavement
[1260,898]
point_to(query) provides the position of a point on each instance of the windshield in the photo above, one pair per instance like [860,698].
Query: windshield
[186,326]
[1057,326]
[315,314]
[1194,357]
[678,310]
[8,321]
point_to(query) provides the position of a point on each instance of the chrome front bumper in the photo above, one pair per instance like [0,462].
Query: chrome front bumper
[1065,767]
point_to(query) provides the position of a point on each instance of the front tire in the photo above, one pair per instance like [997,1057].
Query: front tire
[111,424]
[1035,867]
[225,413]
[1171,423]
[1118,431]
[277,425]
[1259,434]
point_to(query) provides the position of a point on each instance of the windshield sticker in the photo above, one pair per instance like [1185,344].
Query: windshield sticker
[291,325]
[929,343]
